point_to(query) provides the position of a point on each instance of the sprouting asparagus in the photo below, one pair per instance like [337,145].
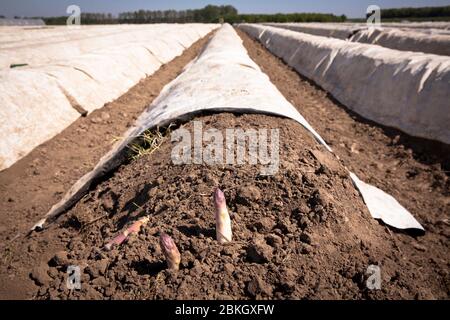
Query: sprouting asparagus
[120,238]
[223,222]
[170,251]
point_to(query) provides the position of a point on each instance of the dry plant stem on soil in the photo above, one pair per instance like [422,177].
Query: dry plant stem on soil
[168,246]
[223,222]
[134,228]
[150,141]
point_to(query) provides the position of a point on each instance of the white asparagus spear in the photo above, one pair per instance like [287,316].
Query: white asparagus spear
[223,222]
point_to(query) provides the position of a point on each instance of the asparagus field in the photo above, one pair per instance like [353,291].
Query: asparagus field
[208,161]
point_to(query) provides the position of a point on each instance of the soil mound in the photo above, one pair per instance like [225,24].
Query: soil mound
[303,232]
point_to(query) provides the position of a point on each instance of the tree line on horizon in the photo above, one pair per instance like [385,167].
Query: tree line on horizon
[416,13]
[228,13]
[208,14]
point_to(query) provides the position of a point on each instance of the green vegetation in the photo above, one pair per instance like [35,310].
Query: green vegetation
[86,18]
[285,17]
[214,14]
[424,13]
[412,14]
[208,14]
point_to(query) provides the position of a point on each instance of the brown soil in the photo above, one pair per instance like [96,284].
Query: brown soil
[32,185]
[302,233]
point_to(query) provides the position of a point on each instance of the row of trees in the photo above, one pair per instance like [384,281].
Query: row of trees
[286,17]
[230,14]
[208,14]
[430,13]
[86,18]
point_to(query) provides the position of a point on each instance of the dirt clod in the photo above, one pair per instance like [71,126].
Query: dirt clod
[258,287]
[259,252]
[306,238]
[97,268]
[60,259]
[265,224]
[39,275]
[248,195]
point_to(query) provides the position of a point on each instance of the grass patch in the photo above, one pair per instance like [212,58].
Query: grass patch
[148,142]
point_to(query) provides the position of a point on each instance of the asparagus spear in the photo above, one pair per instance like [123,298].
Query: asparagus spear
[170,251]
[223,222]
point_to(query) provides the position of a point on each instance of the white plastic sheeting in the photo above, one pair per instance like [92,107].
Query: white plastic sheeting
[333,30]
[383,206]
[406,90]
[21,22]
[222,78]
[95,77]
[398,37]
[405,40]
[419,25]
[42,46]
[33,109]
[37,102]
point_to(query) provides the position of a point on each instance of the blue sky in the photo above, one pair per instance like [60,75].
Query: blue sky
[351,8]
